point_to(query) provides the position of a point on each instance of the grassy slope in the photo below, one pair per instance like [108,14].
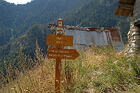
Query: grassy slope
[97,70]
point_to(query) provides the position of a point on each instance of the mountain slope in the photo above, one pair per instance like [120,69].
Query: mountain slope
[99,13]
[16,28]
[15,20]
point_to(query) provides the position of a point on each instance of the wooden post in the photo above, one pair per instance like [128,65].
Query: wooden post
[58,60]
[60,40]
[57,75]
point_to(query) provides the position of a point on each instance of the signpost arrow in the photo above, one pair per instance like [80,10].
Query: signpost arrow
[62,53]
[57,40]
[58,53]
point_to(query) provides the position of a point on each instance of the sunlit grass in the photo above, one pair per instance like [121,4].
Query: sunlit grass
[97,70]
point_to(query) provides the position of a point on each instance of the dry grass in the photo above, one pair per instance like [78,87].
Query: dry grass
[87,74]
[37,80]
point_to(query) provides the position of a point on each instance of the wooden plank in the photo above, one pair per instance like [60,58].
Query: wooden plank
[58,40]
[125,8]
[124,11]
[127,1]
[57,75]
[62,53]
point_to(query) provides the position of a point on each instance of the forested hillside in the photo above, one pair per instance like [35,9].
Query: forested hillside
[99,13]
[23,25]
[15,20]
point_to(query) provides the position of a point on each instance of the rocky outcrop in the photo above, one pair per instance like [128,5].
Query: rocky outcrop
[134,38]
[134,33]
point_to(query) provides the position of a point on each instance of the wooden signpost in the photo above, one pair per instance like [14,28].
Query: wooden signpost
[62,53]
[59,40]
[58,53]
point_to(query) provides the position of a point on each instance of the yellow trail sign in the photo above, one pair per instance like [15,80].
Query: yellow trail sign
[62,53]
[59,40]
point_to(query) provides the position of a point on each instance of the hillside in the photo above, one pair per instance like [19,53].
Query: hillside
[99,13]
[22,26]
[97,70]
[15,20]
[17,25]
[17,31]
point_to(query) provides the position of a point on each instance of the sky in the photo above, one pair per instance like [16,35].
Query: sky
[18,1]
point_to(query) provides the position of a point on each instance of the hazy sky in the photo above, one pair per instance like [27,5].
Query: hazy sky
[18,1]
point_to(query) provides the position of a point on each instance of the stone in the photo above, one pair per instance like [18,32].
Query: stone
[137,10]
[134,38]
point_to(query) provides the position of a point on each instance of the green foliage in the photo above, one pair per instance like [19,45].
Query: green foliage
[20,52]
[99,13]
[17,25]
[17,19]
[27,41]
[118,75]
[77,74]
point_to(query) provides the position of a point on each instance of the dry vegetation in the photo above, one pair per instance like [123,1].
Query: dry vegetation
[97,70]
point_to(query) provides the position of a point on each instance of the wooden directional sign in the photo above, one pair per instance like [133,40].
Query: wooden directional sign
[58,53]
[62,53]
[62,40]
